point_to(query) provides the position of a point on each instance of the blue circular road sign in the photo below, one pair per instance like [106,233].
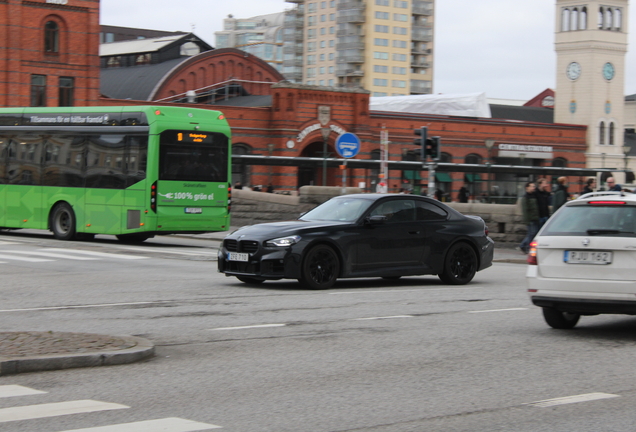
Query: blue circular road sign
[348,145]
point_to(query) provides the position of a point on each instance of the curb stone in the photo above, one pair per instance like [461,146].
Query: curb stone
[135,349]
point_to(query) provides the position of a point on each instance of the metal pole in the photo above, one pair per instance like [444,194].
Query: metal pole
[344,177]
[431,179]
[325,136]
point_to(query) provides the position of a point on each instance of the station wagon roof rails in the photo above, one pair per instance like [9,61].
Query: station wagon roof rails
[603,193]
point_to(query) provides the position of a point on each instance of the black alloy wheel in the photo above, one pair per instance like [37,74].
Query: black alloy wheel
[320,268]
[63,221]
[460,265]
[560,320]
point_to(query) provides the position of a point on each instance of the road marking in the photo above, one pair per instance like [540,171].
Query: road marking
[17,390]
[84,306]
[167,251]
[51,255]
[7,243]
[172,424]
[249,327]
[382,317]
[499,310]
[55,409]
[15,258]
[99,254]
[572,399]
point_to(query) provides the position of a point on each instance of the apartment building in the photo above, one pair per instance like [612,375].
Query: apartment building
[261,36]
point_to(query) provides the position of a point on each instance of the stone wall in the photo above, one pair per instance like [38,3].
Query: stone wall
[248,207]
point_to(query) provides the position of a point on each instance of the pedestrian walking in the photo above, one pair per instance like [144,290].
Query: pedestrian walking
[590,185]
[544,199]
[612,186]
[561,194]
[462,196]
[530,214]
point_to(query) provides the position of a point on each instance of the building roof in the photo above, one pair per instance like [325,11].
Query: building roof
[136,83]
[522,113]
[149,45]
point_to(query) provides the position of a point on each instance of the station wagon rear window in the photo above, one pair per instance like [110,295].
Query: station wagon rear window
[593,220]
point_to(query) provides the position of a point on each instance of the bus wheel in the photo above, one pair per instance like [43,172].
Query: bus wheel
[63,221]
[133,238]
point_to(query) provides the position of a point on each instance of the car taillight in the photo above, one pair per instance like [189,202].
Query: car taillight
[605,203]
[532,253]
[153,197]
[229,199]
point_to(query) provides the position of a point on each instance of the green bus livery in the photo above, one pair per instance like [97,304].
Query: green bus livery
[131,171]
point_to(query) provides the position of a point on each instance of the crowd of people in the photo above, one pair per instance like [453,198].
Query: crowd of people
[538,203]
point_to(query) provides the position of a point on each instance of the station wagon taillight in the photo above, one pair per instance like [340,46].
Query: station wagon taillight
[604,203]
[532,253]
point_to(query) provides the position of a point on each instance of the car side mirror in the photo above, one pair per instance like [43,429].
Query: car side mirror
[376,219]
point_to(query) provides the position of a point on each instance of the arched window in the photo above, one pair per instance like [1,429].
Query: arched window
[473,159]
[565,20]
[574,19]
[601,133]
[618,19]
[51,37]
[560,162]
[609,18]
[445,157]
[583,19]
[601,14]
[610,135]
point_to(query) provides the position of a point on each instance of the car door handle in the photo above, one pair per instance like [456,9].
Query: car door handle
[414,232]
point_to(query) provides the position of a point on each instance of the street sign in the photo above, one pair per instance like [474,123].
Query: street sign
[348,145]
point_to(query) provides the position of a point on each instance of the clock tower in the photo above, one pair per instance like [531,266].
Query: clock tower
[591,42]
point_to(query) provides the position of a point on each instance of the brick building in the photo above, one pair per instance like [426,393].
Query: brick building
[268,116]
[48,52]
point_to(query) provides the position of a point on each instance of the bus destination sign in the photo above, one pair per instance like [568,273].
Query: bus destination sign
[194,137]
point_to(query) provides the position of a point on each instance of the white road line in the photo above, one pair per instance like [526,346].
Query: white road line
[16,258]
[382,317]
[17,390]
[249,327]
[572,399]
[51,255]
[7,243]
[83,306]
[499,310]
[99,254]
[166,251]
[55,409]
[171,424]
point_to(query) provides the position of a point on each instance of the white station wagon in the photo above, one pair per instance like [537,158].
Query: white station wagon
[583,260]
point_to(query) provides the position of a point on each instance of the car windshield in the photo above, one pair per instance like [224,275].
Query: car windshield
[338,209]
[583,220]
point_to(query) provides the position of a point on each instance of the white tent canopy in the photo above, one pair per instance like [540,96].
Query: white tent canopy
[464,105]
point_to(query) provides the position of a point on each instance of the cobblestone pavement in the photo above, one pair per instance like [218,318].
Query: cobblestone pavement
[32,343]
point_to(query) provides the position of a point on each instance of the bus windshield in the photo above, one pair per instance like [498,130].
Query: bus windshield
[193,156]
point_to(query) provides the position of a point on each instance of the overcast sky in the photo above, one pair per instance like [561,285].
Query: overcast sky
[504,48]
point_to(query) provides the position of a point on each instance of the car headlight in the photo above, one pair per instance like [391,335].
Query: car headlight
[283,241]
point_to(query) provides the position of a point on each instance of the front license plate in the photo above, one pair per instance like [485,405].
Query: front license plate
[236,256]
[193,210]
[587,257]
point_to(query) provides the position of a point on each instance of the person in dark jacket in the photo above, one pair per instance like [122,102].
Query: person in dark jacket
[561,195]
[462,196]
[612,186]
[590,185]
[544,199]
[530,214]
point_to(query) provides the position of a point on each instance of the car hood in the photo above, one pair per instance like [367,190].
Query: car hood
[266,231]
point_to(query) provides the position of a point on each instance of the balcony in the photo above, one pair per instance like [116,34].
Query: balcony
[422,36]
[427,51]
[359,58]
[422,8]
[349,32]
[294,76]
[357,45]
[352,4]
[293,37]
[349,73]
[293,49]
[351,16]
[298,62]
[421,64]
[421,87]
[295,1]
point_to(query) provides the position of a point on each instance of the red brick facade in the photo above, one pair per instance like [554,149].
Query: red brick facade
[72,53]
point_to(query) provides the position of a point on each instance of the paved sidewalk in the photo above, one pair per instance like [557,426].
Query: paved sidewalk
[31,351]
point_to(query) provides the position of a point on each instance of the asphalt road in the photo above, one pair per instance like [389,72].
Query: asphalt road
[368,355]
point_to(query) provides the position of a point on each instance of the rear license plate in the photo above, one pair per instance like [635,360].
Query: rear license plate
[193,210]
[235,256]
[587,257]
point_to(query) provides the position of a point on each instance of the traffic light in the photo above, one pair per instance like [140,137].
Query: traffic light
[432,147]
[422,134]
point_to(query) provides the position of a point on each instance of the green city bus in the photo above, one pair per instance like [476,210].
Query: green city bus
[132,171]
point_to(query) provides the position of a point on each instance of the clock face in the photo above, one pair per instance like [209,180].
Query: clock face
[573,71]
[608,71]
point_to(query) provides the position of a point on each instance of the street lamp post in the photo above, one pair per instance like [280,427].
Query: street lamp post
[325,135]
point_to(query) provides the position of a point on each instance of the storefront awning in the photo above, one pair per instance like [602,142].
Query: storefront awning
[412,175]
[443,177]
[472,178]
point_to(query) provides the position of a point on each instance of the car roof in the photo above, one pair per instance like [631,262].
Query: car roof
[605,196]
